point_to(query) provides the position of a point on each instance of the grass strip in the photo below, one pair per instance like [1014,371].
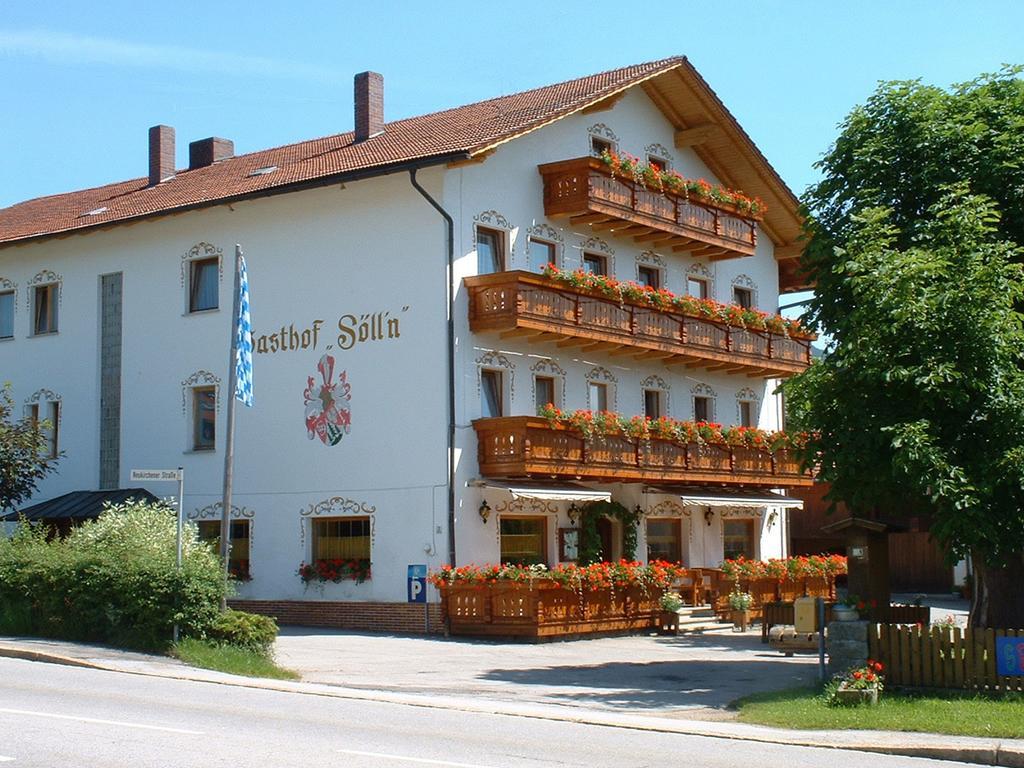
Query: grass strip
[230,659]
[955,714]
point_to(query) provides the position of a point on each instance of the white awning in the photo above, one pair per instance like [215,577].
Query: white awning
[737,499]
[544,491]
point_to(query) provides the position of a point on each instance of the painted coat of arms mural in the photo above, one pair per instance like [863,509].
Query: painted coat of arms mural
[328,414]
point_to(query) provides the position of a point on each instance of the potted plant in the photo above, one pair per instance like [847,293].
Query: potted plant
[739,606]
[849,609]
[859,685]
[670,603]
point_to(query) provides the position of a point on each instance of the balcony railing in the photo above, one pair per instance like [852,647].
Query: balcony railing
[523,303]
[585,190]
[529,446]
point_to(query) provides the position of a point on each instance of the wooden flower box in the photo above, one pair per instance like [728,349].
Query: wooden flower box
[544,609]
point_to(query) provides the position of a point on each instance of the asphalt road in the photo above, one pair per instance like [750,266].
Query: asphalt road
[64,716]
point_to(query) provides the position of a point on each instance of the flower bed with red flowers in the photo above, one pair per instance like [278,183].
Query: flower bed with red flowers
[660,298]
[335,570]
[598,423]
[655,177]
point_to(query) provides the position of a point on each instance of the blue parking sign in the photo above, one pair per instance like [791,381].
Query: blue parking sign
[417,589]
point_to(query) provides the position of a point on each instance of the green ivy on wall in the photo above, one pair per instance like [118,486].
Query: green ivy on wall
[590,539]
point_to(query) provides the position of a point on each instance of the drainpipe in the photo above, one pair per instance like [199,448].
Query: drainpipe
[450,271]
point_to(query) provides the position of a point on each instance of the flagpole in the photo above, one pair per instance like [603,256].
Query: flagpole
[229,437]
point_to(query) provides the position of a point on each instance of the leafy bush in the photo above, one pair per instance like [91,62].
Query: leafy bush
[250,631]
[112,580]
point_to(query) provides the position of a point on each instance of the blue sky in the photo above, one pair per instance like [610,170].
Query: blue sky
[82,82]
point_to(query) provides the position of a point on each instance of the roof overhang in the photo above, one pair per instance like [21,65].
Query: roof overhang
[78,505]
[543,491]
[738,498]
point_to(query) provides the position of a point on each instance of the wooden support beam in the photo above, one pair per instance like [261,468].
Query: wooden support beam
[790,251]
[571,341]
[699,134]
[516,333]
[471,160]
[653,236]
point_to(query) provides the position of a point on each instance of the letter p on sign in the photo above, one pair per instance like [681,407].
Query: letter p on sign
[417,584]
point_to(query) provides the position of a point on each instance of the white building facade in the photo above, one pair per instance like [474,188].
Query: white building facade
[118,332]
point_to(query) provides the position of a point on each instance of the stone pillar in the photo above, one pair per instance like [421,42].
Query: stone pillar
[847,645]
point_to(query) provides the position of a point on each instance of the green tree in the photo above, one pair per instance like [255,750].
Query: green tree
[23,460]
[920,401]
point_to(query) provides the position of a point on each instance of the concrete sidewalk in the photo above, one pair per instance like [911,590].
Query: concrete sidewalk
[612,682]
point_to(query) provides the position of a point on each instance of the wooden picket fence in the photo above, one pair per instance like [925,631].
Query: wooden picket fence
[918,656]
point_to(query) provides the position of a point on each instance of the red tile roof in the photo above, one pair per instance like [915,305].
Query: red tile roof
[434,138]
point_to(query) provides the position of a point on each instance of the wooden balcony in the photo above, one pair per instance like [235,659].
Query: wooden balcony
[531,305]
[584,190]
[530,447]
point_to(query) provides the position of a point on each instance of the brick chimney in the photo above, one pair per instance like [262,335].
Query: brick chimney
[369,103]
[161,153]
[209,151]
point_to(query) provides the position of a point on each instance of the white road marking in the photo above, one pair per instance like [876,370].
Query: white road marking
[4,759]
[100,722]
[423,760]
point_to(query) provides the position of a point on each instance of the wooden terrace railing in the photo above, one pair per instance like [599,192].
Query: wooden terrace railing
[526,304]
[585,190]
[530,446]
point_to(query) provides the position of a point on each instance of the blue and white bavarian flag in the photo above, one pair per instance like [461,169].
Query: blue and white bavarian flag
[243,340]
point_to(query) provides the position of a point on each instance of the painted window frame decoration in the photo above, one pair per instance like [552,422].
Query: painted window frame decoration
[748,395]
[494,222]
[54,413]
[199,253]
[52,283]
[201,379]
[601,375]
[651,260]
[548,368]
[656,383]
[9,288]
[599,132]
[744,283]
[210,515]
[703,390]
[660,153]
[544,233]
[595,246]
[698,271]
[498,363]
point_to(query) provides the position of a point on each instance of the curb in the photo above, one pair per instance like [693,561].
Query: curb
[993,753]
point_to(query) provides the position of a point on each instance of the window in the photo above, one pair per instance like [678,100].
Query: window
[44,312]
[599,146]
[52,416]
[738,536]
[743,297]
[598,396]
[238,556]
[541,254]
[664,539]
[544,390]
[341,538]
[595,264]
[649,277]
[490,251]
[204,418]
[657,162]
[702,410]
[748,413]
[491,394]
[524,540]
[204,284]
[652,403]
[6,314]
[697,287]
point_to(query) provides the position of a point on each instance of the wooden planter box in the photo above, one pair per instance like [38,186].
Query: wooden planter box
[546,609]
[769,590]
